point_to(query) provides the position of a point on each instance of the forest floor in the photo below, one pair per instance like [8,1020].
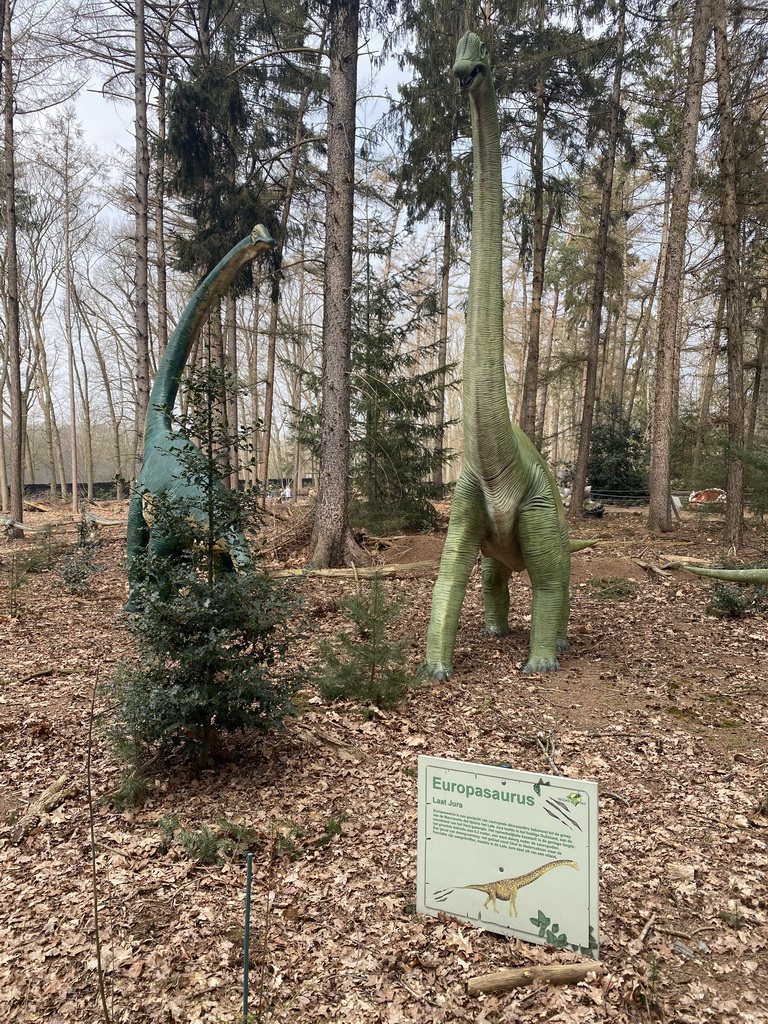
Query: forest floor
[662,705]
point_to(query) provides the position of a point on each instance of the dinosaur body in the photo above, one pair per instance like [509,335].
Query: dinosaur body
[165,451]
[505,889]
[506,503]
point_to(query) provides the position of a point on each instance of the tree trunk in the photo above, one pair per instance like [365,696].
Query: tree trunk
[332,544]
[13,327]
[141,228]
[442,340]
[232,410]
[531,376]
[598,291]
[730,223]
[277,272]
[707,386]
[659,512]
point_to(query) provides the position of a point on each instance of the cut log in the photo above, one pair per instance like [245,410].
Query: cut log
[367,573]
[558,974]
[50,798]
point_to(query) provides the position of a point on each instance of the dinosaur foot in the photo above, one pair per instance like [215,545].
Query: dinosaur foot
[492,630]
[541,665]
[562,644]
[435,670]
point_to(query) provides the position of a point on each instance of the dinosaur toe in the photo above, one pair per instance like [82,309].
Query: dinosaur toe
[541,665]
[435,670]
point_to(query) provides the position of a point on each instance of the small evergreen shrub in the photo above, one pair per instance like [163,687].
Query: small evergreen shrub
[735,600]
[618,453]
[209,641]
[365,665]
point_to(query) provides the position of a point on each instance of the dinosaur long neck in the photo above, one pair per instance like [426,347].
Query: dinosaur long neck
[166,385]
[487,429]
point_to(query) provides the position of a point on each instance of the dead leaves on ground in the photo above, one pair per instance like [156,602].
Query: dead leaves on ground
[664,707]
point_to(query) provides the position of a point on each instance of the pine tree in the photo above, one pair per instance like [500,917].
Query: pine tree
[208,640]
[365,665]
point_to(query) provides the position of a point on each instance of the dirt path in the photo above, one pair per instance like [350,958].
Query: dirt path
[665,707]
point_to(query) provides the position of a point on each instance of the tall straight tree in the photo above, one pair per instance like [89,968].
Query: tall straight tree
[730,224]
[332,543]
[141,225]
[13,327]
[659,512]
[426,120]
[601,257]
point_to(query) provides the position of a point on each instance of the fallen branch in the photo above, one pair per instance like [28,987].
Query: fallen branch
[558,974]
[38,675]
[50,798]
[651,568]
[344,750]
[370,572]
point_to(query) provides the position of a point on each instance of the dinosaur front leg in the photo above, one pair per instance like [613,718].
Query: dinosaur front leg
[465,530]
[496,596]
[548,569]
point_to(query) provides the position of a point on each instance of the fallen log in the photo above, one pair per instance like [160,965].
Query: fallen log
[49,799]
[366,573]
[558,974]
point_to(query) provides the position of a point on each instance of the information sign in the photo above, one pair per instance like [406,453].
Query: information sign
[512,852]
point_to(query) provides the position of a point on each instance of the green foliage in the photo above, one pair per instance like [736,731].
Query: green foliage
[550,931]
[209,642]
[208,845]
[737,601]
[618,454]
[611,588]
[293,841]
[76,565]
[756,477]
[42,555]
[17,580]
[364,665]
[135,788]
[393,435]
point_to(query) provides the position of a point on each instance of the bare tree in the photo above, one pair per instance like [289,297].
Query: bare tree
[659,512]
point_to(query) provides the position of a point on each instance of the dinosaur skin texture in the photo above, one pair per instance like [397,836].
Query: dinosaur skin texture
[162,471]
[506,503]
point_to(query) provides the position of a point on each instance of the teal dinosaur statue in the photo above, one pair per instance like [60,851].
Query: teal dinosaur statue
[506,503]
[166,453]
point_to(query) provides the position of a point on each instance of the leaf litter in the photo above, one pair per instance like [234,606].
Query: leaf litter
[665,707]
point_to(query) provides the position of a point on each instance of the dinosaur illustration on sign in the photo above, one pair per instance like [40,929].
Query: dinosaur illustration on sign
[506,888]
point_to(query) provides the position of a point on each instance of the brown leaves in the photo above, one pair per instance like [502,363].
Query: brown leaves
[664,707]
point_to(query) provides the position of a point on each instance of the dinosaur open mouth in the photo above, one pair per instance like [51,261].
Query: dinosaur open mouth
[466,81]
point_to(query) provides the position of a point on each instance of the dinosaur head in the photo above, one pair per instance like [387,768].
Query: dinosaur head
[260,236]
[473,63]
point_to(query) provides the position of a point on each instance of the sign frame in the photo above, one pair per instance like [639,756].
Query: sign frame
[497,845]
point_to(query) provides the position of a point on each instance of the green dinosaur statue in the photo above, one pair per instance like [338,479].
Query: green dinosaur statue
[165,451]
[506,503]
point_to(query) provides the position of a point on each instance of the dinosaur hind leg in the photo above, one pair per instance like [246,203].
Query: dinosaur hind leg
[496,597]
